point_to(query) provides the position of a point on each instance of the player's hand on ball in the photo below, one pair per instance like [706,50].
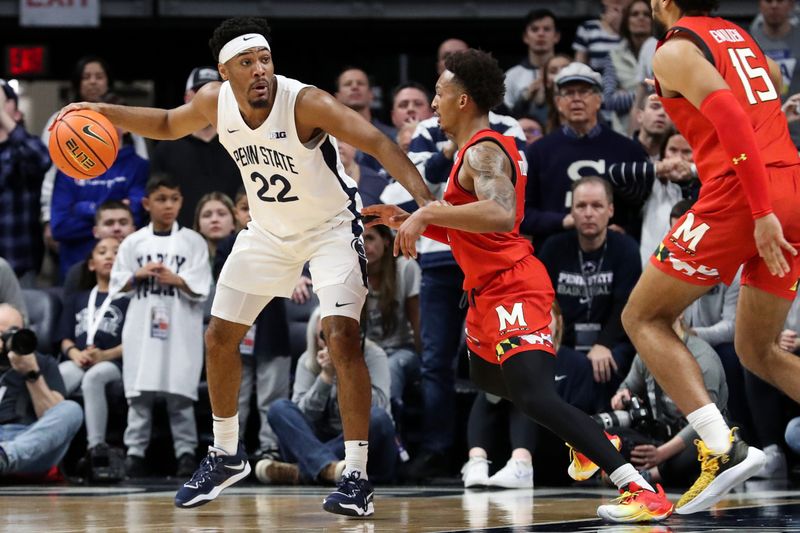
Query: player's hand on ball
[76,106]
[771,244]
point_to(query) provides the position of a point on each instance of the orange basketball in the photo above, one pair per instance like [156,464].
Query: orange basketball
[83,144]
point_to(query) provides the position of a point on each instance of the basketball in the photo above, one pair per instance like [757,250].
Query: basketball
[83,144]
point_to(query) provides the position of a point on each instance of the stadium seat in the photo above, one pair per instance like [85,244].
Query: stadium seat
[44,310]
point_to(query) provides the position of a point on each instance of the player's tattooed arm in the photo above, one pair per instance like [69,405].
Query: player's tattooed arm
[492,175]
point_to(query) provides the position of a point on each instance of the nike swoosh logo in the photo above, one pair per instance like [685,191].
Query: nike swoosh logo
[232,131]
[559,378]
[342,305]
[362,444]
[248,38]
[239,467]
[88,131]
[190,486]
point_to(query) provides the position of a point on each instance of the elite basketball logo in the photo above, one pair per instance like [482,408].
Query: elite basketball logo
[80,156]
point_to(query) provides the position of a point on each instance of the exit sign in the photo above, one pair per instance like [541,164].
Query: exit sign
[26,61]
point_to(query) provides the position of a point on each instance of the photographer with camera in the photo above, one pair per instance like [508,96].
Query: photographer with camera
[655,435]
[36,423]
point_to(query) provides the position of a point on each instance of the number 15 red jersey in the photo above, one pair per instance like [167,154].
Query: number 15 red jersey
[744,66]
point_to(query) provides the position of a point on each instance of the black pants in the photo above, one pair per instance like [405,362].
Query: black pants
[492,425]
[527,380]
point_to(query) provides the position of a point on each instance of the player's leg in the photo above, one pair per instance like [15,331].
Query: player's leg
[529,377]
[233,312]
[759,320]
[656,301]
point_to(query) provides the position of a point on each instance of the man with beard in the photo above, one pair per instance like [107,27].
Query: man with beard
[723,94]
[282,135]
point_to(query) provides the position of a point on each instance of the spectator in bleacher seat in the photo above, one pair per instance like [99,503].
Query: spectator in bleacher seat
[36,423]
[525,80]
[75,201]
[10,290]
[789,340]
[532,129]
[654,126]
[546,109]
[90,333]
[309,426]
[265,350]
[198,162]
[441,317]
[659,185]
[662,448]
[410,104]
[370,183]
[791,108]
[776,31]
[91,80]
[405,134]
[581,147]
[23,161]
[593,271]
[392,309]
[215,220]
[447,47]
[112,219]
[166,268]
[595,38]
[353,89]
[621,68]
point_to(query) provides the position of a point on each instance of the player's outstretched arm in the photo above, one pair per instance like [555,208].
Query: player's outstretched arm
[320,110]
[159,124]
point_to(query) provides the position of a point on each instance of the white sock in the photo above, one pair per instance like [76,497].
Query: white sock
[355,457]
[226,434]
[709,424]
[627,474]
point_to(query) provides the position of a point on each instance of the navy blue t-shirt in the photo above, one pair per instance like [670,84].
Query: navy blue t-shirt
[16,406]
[73,323]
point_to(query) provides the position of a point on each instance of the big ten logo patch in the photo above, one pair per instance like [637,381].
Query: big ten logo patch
[514,318]
[688,235]
[577,170]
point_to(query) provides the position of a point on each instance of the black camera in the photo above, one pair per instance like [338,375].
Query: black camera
[635,415]
[21,341]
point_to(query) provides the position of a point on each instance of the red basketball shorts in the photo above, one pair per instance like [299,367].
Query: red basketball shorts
[713,239]
[511,313]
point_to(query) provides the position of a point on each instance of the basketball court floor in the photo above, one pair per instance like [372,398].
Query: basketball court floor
[760,506]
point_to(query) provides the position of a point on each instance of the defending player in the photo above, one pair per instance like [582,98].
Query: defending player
[510,295]
[723,95]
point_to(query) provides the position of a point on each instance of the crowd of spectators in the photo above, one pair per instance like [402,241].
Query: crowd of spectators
[138,250]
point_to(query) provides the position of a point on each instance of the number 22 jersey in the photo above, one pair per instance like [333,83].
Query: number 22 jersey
[291,186]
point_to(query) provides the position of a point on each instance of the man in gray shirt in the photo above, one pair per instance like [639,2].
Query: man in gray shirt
[776,32]
[309,426]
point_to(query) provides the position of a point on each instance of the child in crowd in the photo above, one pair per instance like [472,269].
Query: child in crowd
[214,219]
[167,270]
[91,341]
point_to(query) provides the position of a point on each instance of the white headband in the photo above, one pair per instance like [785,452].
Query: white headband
[240,44]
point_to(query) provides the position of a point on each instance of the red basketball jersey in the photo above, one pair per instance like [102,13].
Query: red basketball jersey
[741,62]
[483,255]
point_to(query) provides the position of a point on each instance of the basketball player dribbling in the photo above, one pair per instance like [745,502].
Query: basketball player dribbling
[304,208]
[510,296]
[723,94]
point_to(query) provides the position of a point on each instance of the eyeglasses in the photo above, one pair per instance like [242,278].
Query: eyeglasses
[576,92]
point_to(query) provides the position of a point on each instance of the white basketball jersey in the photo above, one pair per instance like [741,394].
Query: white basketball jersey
[291,187]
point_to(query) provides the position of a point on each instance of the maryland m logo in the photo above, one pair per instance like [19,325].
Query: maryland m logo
[513,318]
[688,234]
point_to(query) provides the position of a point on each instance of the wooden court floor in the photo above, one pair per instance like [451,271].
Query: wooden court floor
[760,507]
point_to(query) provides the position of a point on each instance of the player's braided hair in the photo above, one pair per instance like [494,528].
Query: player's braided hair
[697,6]
[480,75]
[232,28]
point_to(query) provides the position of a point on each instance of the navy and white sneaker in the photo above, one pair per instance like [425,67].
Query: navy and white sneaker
[352,497]
[216,472]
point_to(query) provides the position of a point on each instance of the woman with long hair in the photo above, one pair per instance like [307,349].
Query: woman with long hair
[214,219]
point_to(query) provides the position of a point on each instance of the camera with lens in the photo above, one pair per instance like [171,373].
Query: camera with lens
[21,341]
[636,415]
